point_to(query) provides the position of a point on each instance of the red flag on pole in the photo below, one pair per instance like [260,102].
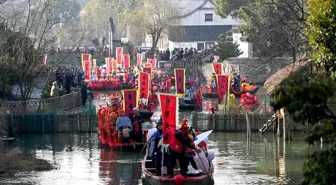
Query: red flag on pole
[169,108]
[222,86]
[126,61]
[217,68]
[130,100]
[144,85]
[139,59]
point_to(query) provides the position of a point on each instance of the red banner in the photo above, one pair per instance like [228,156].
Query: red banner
[130,100]
[222,86]
[87,70]
[119,52]
[217,68]
[139,59]
[114,65]
[126,61]
[85,57]
[169,110]
[152,62]
[144,85]
[180,81]
[108,65]
[147,70]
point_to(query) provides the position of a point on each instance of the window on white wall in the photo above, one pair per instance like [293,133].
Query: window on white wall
[208,17]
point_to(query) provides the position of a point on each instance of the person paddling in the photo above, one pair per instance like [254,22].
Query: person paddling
[177,150]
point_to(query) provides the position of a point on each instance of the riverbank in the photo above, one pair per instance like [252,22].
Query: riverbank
[15,161]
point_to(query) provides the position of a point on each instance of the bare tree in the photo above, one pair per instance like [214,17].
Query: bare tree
[154,17]
[30,28]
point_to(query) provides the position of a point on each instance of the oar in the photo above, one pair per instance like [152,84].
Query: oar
[203,164]
[143,148]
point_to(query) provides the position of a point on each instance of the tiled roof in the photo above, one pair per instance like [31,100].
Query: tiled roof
[197,33]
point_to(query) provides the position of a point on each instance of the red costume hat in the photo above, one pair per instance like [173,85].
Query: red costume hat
[184,125]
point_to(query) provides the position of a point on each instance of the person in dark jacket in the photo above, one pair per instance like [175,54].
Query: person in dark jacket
[137,121]
[177,150]
[84,94]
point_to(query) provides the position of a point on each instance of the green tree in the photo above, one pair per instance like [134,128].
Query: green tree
[225,48]
[276,28]
[306,97]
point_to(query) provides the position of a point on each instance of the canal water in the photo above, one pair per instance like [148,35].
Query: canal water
[80,160]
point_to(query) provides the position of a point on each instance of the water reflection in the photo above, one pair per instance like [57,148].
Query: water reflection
[264,161]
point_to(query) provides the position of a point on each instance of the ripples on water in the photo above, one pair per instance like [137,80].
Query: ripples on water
[81,160]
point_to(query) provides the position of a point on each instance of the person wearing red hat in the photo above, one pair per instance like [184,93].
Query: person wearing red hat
[177,150]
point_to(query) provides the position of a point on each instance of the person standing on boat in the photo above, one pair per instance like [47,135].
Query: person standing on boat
[177,150]
[137,121]
[155,149]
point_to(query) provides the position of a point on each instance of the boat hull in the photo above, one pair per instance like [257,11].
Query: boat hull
[153,181]
[146,115]
[151,178]
[236,93]
[187,107]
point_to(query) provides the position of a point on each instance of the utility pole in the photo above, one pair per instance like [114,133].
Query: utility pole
[111,30]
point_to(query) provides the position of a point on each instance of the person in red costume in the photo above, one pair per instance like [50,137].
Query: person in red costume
[177,150]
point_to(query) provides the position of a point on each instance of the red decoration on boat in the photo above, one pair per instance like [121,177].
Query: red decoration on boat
[179,179]
[248,100]
[110,84]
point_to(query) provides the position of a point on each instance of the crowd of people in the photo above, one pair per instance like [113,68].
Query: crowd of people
[176,54]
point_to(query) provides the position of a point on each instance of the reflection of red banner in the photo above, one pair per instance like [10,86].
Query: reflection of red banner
[180,81]
[169,110]
[144,85]
[85,57]
[119,52]
[87,69]
[126,61]
[222,86]
[217,68]
[152,62]
[147,70]
[139,59]
[130,100]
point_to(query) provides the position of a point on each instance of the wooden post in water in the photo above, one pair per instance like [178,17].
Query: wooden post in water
[248,126]
[282,111]
[78,123]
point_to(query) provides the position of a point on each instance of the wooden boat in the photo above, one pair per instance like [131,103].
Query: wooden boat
[146,115]
[7,138]
[109,85]
[187,107]
[232,91]
[153,179]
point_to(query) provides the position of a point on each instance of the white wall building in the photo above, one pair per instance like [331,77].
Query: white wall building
[199,27]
